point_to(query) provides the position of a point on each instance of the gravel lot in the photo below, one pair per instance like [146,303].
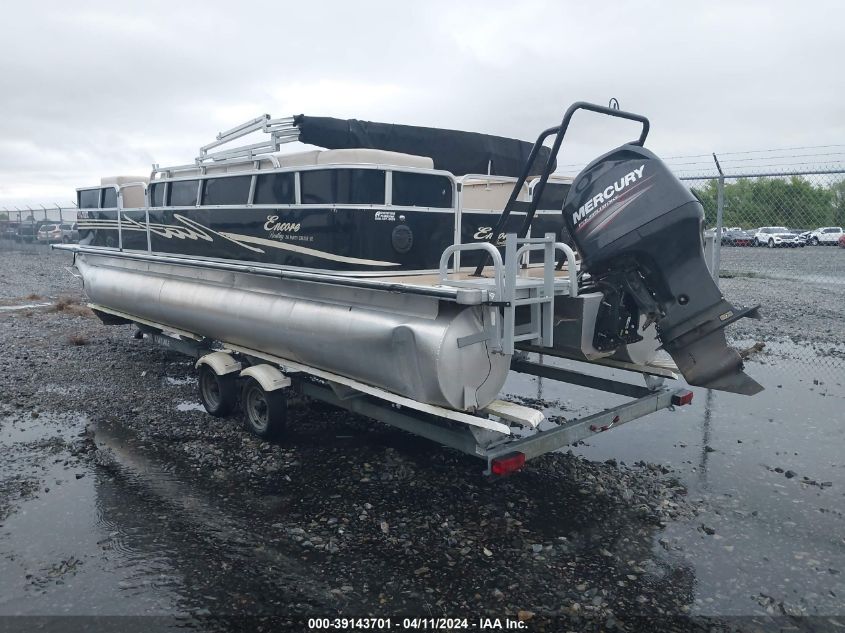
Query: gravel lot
[167,511]
[802,291]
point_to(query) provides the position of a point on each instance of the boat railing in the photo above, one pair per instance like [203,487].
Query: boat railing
[510,290]
[543,244]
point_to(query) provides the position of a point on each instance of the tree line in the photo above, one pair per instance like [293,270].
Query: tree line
[794,203]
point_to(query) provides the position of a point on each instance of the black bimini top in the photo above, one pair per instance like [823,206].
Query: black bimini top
[452,150]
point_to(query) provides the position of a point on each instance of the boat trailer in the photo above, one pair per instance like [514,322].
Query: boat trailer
[504,434]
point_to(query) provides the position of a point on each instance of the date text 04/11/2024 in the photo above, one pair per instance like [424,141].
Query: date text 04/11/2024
[415,624]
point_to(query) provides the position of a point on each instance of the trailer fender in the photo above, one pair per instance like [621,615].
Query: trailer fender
[270,378]
[221,363]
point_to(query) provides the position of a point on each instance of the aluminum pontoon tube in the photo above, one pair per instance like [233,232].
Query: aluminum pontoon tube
[405,344]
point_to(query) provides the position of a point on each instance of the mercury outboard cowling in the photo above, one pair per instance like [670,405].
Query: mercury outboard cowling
[639,232]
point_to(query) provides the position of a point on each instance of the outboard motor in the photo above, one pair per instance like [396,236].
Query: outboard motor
[639,232]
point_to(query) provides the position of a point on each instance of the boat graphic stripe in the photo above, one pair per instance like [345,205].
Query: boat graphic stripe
[200,231]
[236,237]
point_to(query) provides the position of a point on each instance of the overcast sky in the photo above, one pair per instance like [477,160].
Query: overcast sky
[96,89]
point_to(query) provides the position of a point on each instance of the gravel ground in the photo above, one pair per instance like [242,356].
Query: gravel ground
[343,517]
[802,291]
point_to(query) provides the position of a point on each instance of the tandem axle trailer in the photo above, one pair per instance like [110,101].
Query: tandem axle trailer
[504,434]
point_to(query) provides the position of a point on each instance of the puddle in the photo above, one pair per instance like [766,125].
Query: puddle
[773,535]
[56,548]
[186,405]
[812,359]
[23,429]
[134,535]
[185,380]
[26,306]
[51,559]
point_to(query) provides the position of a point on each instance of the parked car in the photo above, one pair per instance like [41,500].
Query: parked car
[776,236]
[737,237]
[55,233]
[805,235]
[26,231]
[49,233]
[827,236]
[842,242]
[10,231]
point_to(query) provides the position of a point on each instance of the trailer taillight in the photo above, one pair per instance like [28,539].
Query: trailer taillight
[681,398]
[507,464]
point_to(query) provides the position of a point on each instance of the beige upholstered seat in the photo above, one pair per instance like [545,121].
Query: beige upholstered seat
[298,159]
[133,195]
[122,180]
[372,157]
[131,188]
[480,195]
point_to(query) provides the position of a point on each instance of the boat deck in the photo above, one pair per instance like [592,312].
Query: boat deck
[534,272]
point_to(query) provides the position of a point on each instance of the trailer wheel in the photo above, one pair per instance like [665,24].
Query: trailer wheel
[265,412]
[218,394]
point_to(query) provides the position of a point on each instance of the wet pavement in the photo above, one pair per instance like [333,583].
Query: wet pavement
[119,497]
[767,475]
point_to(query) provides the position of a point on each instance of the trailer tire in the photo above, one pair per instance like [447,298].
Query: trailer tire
[218,394]
[265,412]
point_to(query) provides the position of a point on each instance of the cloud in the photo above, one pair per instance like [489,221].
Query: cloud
[101,88]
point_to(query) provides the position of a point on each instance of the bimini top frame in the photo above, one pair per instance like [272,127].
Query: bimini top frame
[281,131]
[450,150]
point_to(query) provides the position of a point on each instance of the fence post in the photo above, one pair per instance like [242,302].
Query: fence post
[720,211]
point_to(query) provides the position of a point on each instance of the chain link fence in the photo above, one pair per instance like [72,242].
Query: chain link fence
[20,227]
[779,242]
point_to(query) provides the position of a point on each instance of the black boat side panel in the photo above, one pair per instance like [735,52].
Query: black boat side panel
[339,239]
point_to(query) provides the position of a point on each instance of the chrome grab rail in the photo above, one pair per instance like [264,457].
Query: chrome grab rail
[571,264]
[498,266]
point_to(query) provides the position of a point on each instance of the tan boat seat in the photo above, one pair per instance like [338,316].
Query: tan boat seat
[133,195]
[297,159]
[480,195]
[122,180]
[373,157]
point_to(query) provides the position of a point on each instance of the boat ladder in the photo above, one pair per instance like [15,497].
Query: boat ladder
[507,290]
